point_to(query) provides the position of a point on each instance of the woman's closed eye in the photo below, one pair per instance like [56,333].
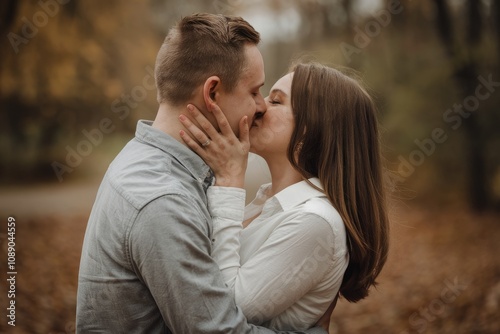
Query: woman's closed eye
[274,100]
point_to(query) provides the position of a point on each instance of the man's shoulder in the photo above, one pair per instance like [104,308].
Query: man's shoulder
[141,173]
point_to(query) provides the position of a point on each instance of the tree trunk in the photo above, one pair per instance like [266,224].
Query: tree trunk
[495,10]
[466,74]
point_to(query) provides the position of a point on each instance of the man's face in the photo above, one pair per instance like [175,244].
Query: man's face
[245,99]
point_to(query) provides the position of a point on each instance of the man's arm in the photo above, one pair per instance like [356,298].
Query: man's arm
[170,251]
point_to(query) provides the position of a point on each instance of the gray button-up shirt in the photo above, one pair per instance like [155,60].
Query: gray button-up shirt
[146,264]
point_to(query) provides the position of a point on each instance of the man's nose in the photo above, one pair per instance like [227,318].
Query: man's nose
[261,105]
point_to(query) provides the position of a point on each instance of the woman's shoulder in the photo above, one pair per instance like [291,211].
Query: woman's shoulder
[318,224]
[321,207]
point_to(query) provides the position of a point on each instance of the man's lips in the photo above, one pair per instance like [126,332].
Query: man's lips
[254,124]
[256,120]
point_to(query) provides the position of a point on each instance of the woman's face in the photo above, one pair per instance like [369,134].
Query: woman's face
[270,133]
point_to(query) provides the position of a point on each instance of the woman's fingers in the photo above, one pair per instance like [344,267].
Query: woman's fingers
[224,126]
[195,146]
[202,121]
[207,127]
[194,130]
[245,133]
[228,155]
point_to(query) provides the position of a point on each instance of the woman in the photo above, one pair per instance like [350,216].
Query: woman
[320,228]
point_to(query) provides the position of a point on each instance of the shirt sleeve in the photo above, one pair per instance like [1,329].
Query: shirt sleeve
[294,258]
[169,249]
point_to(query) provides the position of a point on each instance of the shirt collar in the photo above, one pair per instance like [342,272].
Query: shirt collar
[187,158]
[288,198]
[299,193]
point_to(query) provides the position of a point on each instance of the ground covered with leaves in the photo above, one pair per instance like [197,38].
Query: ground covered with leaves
[442,275]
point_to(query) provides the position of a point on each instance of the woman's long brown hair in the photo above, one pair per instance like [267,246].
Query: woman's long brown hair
[336,139]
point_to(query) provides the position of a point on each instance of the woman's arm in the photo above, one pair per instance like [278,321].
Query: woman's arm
[227,157]
[226,206]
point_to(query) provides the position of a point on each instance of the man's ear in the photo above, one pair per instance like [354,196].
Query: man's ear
[211,88]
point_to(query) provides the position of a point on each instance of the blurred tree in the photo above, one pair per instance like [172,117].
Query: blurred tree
[64,66]
[8,10]
[496,23]
[465,60]
[324,20]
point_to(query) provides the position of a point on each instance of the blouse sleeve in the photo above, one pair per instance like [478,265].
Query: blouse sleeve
[227,208]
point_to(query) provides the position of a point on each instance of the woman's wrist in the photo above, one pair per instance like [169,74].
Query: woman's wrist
[224,181]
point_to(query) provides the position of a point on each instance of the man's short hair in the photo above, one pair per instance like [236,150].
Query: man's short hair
[197,47]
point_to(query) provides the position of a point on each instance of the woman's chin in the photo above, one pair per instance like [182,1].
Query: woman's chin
[254,148]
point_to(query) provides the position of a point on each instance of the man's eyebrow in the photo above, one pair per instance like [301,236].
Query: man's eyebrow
[259,85]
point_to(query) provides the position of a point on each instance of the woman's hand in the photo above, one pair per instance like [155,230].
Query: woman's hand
[226,155]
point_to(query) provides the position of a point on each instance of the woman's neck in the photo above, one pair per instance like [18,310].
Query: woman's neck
[283,175]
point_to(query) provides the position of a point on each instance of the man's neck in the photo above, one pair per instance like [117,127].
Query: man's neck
[167,120]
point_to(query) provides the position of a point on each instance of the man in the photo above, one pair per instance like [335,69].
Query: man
[146,265]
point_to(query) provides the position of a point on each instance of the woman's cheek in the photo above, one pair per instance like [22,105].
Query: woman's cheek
[261,138]
[278,123]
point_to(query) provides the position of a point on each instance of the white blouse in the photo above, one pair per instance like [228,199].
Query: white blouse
[286,267]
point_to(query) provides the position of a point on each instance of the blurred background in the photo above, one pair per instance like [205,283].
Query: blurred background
[76,76]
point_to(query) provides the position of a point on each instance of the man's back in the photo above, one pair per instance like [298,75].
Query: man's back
[142,184]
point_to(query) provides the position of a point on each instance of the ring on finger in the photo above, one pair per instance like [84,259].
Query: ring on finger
[205,144]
